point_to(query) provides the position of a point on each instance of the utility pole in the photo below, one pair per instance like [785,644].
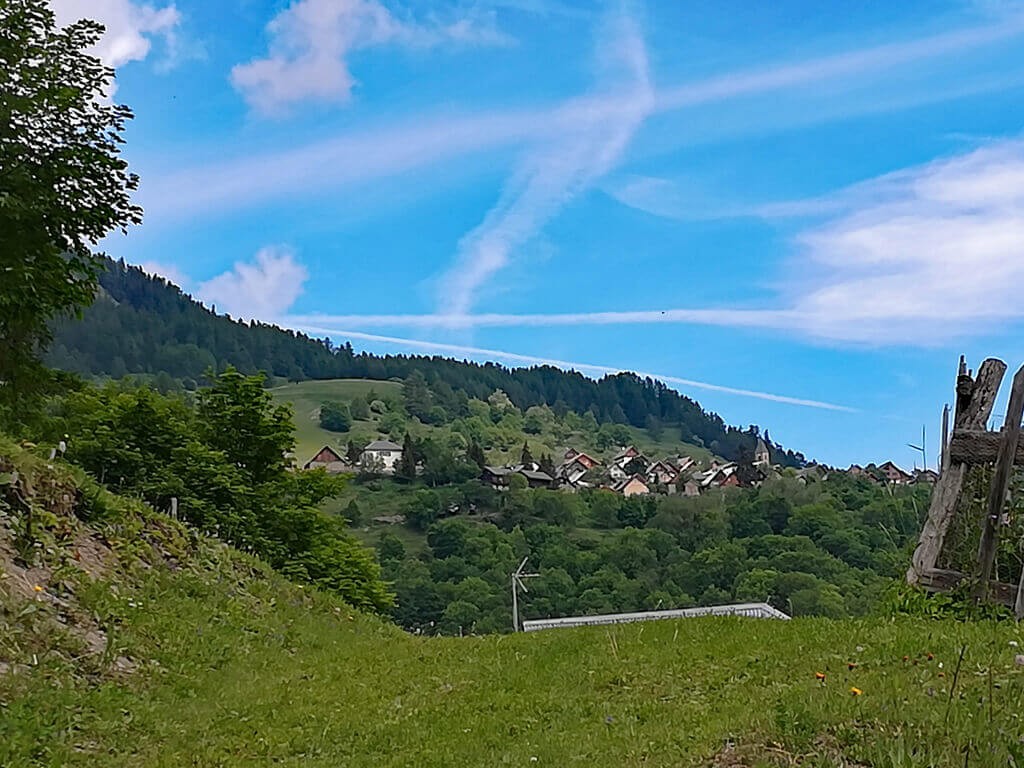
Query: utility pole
[517,584]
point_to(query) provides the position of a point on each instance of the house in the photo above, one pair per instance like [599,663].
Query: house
[572,472]
[661,473]
[381,456]
[762,456]
[617,470]
[586,460]
[682,463]
[894,474]
[623,457]
[631,486]
[500,477]
[856,470]
[731,480]
[812,474]
[496,477]
[536,478]
[329,459]
[719,476]
[927,476]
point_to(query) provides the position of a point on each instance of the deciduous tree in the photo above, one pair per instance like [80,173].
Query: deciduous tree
[63,183]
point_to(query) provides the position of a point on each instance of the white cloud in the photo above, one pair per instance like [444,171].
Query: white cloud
[130,26]
[927,254]
[515,358]
[559,169]
[390,150]
[840,66]
[917,257]
[264,289]
[311,40]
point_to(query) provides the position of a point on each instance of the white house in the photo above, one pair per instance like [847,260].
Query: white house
[381,456]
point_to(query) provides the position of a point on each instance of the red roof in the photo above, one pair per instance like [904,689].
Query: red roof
[325,455]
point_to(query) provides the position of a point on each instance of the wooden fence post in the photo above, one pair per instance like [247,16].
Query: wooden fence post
[975,398]
[944,450]
[1000,484]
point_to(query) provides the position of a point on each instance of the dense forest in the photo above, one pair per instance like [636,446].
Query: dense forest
[143,325]
[825,547]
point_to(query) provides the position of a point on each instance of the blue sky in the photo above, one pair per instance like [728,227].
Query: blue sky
[799,213]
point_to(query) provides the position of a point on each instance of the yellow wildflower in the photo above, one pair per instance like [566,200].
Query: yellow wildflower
[856,691]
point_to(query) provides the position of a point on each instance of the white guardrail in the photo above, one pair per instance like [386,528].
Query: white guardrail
[752,610]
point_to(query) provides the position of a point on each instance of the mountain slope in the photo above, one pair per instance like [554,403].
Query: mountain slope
[205,657]
[145,326]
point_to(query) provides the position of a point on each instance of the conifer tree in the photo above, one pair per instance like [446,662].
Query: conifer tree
[527,457]
[547,464]
[475,453]
[407,465]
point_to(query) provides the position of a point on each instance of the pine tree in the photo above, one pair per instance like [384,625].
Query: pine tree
[476,454]
[527,457]
[417,395]
[353,452]
[547,464]
[407,465]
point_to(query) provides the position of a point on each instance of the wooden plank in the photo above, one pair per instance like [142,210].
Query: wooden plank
[975,399]
[979,446]
[944,455]
[1000,483]
[944,580]
[982,398]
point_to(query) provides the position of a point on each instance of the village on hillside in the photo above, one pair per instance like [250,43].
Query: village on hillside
[628,472]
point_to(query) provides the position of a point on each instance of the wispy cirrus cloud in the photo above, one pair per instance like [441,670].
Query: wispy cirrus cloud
[516,358]
[387,151]
[753,318]
[837,67]
[550,175]
[922,256]
[311,40]
[931,253]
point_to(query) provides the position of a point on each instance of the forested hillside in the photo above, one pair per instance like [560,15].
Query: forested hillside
[143,325]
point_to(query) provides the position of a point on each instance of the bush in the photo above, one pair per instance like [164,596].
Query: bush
[335,417]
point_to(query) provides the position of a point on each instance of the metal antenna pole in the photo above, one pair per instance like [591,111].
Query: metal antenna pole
[517,584]
[515,605]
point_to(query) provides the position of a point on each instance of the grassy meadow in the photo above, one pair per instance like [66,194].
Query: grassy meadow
[306,397]
[251,671]
[133,641]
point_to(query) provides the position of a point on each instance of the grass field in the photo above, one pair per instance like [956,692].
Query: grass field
[209,659]
[259,673]
[306,397]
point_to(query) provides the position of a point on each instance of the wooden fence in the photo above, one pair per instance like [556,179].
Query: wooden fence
[972,444]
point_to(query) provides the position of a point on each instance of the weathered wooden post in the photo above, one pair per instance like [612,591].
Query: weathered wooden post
[975,398]
[944,447]
[1008,442]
